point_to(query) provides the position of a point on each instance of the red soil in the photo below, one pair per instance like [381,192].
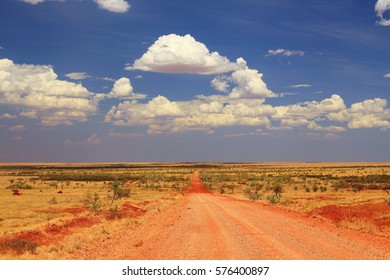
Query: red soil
[378,214]
[51,234]
[197,185]
[128,210]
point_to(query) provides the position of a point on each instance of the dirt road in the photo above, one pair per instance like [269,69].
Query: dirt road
[207,226]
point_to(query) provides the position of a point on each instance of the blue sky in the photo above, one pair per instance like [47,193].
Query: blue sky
[153,80]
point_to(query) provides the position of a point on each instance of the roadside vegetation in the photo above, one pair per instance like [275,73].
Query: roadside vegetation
[355,196]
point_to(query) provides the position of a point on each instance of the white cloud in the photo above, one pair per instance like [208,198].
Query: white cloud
[300,86]
[333,128]
[115,6]
[133,113]
[123,89]
[106,79]
[33,2]
[205,113]
[249,84]
[17,128]
[387,75]
[311,109]
[77,75]
[182,54]
[8,116]
[366,114]
[284,52]
[220,83]
[162,115]
[381,7]
[36,90]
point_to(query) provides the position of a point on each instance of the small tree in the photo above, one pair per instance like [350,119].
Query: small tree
[93,202]
[278,189]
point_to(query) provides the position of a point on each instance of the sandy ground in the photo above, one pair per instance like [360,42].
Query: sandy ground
[212,227]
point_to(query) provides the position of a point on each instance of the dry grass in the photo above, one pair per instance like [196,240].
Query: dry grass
[53,215]
[310,187]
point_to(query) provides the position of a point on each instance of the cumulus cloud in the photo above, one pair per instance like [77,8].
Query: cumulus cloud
[123,89]
[284,52]
[381,7]
[220,83]
[311,109]
[249,84]
[387,75]
[8,116]
[182,54]
[115,6]
[366,114]
[162,115]
[77,75]
[332,128]
[37,91]
[134,113]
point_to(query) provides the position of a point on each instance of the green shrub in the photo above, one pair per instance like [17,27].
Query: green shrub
[323,189]
[255,196]
[19,185]
[315,188]
[272,199]
[93,202]
[307,189]
[120,192]
[114,213]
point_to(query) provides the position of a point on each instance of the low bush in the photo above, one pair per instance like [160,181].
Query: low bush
[93,202]
[113,213]
[272,199]
[19,246]
[255,196]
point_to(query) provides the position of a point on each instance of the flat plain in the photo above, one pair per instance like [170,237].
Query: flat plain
[195,211]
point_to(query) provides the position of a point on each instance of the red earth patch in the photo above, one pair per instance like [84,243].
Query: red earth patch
[128,210]
[377,213]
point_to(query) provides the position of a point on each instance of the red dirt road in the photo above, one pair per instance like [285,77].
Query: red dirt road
[207,226]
